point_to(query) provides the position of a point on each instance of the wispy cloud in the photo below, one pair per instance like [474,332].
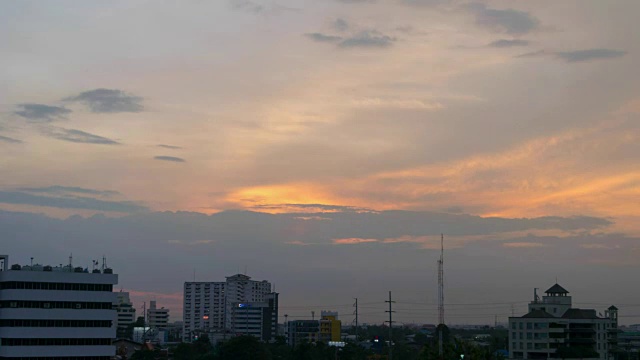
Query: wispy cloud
[78,136]
[414,104]
[353,241]
[86,203]
[319,37]
[172,147]
[169,158]
[590,54]
[509,21]
[577,56]
[41,113]
[505,43]
[108,101]
[367,39]
[58,189]
[520,245]
[10,140]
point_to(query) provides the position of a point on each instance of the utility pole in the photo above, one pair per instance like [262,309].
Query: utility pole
[390,326]
[441,297]
[356,313]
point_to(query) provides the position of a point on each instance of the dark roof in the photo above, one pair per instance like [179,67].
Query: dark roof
[580,314]
[538,314]
[612,307]
[557,289]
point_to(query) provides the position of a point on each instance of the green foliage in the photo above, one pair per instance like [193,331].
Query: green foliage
[244,348]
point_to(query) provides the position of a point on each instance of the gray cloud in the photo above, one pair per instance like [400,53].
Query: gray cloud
[340,24]
[10,140]
[577,56]
[357,1]
[425,2]
[505,43]
[246,5]
[319,37]
[84,203]
[590,54]
[58,189]
[172,147]
[508,20]
[41,113]
[77,136]
[368,39]
[108,101]
[170,158]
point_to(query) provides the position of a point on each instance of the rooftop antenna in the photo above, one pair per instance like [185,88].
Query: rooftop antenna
[441,295]
[104,262]
[536,298]
[70,262]
[313,315]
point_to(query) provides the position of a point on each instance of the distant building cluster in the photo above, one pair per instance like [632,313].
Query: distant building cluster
[67,312]
[237,306]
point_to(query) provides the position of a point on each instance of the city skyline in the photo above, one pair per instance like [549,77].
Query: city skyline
[326,144]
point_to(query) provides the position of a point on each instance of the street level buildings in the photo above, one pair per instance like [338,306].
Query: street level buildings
[56,312]
[554,329]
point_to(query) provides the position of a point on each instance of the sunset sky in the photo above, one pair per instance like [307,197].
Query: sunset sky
[325,144]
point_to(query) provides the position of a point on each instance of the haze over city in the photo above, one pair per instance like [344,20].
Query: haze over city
[325,145]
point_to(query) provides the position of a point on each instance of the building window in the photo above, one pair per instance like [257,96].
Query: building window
[529,326]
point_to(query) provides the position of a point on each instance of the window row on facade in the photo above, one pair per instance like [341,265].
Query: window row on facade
[56,323]
[54,342]
[55,305]
[30,285]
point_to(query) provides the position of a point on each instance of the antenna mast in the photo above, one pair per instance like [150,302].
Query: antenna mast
[441,295]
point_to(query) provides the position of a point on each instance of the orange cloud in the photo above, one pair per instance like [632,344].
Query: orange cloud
[353,241]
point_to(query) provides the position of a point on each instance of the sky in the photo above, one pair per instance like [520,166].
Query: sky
[324,145]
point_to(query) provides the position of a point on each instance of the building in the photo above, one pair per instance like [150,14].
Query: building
[301,331]
[259,319]
[126,314]
[56,312]
[554,329]
[330,326]
[157,318]
[208,305]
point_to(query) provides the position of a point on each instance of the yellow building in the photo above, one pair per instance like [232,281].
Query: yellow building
[330,326]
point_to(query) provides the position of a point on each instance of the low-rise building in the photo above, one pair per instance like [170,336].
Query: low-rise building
[157,318]
[126,314]
[330,326]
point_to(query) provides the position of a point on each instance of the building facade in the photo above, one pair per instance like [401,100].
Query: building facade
[301,331]
[330,326]
[208,306]
[157,318]
[56,312]
[259,319]
[554,329]
[126,314]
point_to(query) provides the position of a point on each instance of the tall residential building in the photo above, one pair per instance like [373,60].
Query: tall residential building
[554,329]
[208,306]
[126,314]
[56,312]
[157,318]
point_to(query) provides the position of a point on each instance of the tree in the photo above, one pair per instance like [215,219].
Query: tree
[244,348]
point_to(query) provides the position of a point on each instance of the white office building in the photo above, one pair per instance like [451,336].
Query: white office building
[554,329]
[126,313]
[56,313]
[208,305]
[157,318]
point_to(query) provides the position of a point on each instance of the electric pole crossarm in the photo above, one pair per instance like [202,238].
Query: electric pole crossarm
[390,311]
